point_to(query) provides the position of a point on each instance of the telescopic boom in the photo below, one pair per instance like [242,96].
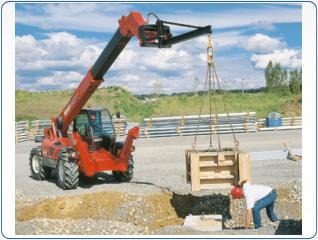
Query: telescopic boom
[149,35]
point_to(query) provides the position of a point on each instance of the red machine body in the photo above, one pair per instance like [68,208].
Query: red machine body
[70,150]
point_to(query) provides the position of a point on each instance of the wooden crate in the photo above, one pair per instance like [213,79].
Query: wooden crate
[216,169]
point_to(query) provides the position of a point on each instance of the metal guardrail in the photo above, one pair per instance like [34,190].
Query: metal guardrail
[21,131]
[191,125]
[120,125]
[29,130]
[174,126]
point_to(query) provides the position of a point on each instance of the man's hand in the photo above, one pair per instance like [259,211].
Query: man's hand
[248,218]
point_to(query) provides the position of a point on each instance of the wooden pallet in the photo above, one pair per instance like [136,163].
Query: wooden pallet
[211,169]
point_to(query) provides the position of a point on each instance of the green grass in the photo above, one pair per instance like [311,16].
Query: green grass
[44,105]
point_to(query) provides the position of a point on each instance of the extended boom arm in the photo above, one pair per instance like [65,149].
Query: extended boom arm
[149,35]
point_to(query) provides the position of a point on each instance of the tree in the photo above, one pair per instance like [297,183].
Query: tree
[295,81]
[276,78]
[284,78]
[277,75]
[269,76]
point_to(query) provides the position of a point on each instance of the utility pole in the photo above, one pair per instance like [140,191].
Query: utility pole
[157,87]
[195,86]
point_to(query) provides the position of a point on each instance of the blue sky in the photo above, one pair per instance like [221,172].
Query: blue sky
[56,43]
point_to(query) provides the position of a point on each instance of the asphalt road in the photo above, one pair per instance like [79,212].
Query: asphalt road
[160,162]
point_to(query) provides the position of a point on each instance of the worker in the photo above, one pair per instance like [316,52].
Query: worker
[96,125]
[257,197]
[98,130]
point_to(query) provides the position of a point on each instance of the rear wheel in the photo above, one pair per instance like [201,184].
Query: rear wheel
[127,175]
[67,172]
[38,171]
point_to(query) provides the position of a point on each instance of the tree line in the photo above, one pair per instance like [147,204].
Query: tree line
[278,79]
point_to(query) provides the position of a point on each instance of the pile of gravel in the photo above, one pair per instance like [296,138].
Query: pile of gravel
[45,226]
[295,191]
[132,214]
[133,211]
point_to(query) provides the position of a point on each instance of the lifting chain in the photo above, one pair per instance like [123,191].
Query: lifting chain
[211,85]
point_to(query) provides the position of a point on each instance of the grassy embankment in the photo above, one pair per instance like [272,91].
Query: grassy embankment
[43,105]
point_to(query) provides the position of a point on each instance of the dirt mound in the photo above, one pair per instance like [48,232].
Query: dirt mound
[155,211]
[152,211]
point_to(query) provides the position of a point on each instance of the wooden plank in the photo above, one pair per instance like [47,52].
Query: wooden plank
[214,164]
[217,172]
[214,186]
[244,167]
[236,171]
[212,176]
[214,153]
[195,172]
[217,169]
[212,158]
[216,183]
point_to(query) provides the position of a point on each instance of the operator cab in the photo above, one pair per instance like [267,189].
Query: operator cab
[95,126]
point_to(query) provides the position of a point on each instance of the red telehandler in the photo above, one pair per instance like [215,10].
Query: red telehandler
[72,145]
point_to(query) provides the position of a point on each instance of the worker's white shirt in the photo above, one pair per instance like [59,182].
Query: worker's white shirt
[254,193]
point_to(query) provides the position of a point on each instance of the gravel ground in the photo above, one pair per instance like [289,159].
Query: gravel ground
[158,198]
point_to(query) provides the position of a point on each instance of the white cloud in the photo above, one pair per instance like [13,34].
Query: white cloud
[287,58]
[60,60]
[26,48]
[238,17]
[127,78]
[88,56]
[265,25]
[59,50]
[229,39]
[258,43]
[176,68]
[67,57]
[261,43]
[103,17]
[166,59]
[99,17]
[62,45]
[61,79]
[153,59]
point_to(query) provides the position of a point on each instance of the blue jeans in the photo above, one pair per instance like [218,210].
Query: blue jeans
[265,202]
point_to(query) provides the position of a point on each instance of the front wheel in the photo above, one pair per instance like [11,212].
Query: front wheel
[67,172]
[38,171]
[127,175]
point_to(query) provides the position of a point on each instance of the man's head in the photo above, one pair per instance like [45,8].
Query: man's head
[92,117]
[237,192]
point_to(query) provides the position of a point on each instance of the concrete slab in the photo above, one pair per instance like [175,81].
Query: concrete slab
[205,223]
[270,155]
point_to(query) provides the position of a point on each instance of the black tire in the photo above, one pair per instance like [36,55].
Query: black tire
[38,171]
[67,172]
[127,175]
